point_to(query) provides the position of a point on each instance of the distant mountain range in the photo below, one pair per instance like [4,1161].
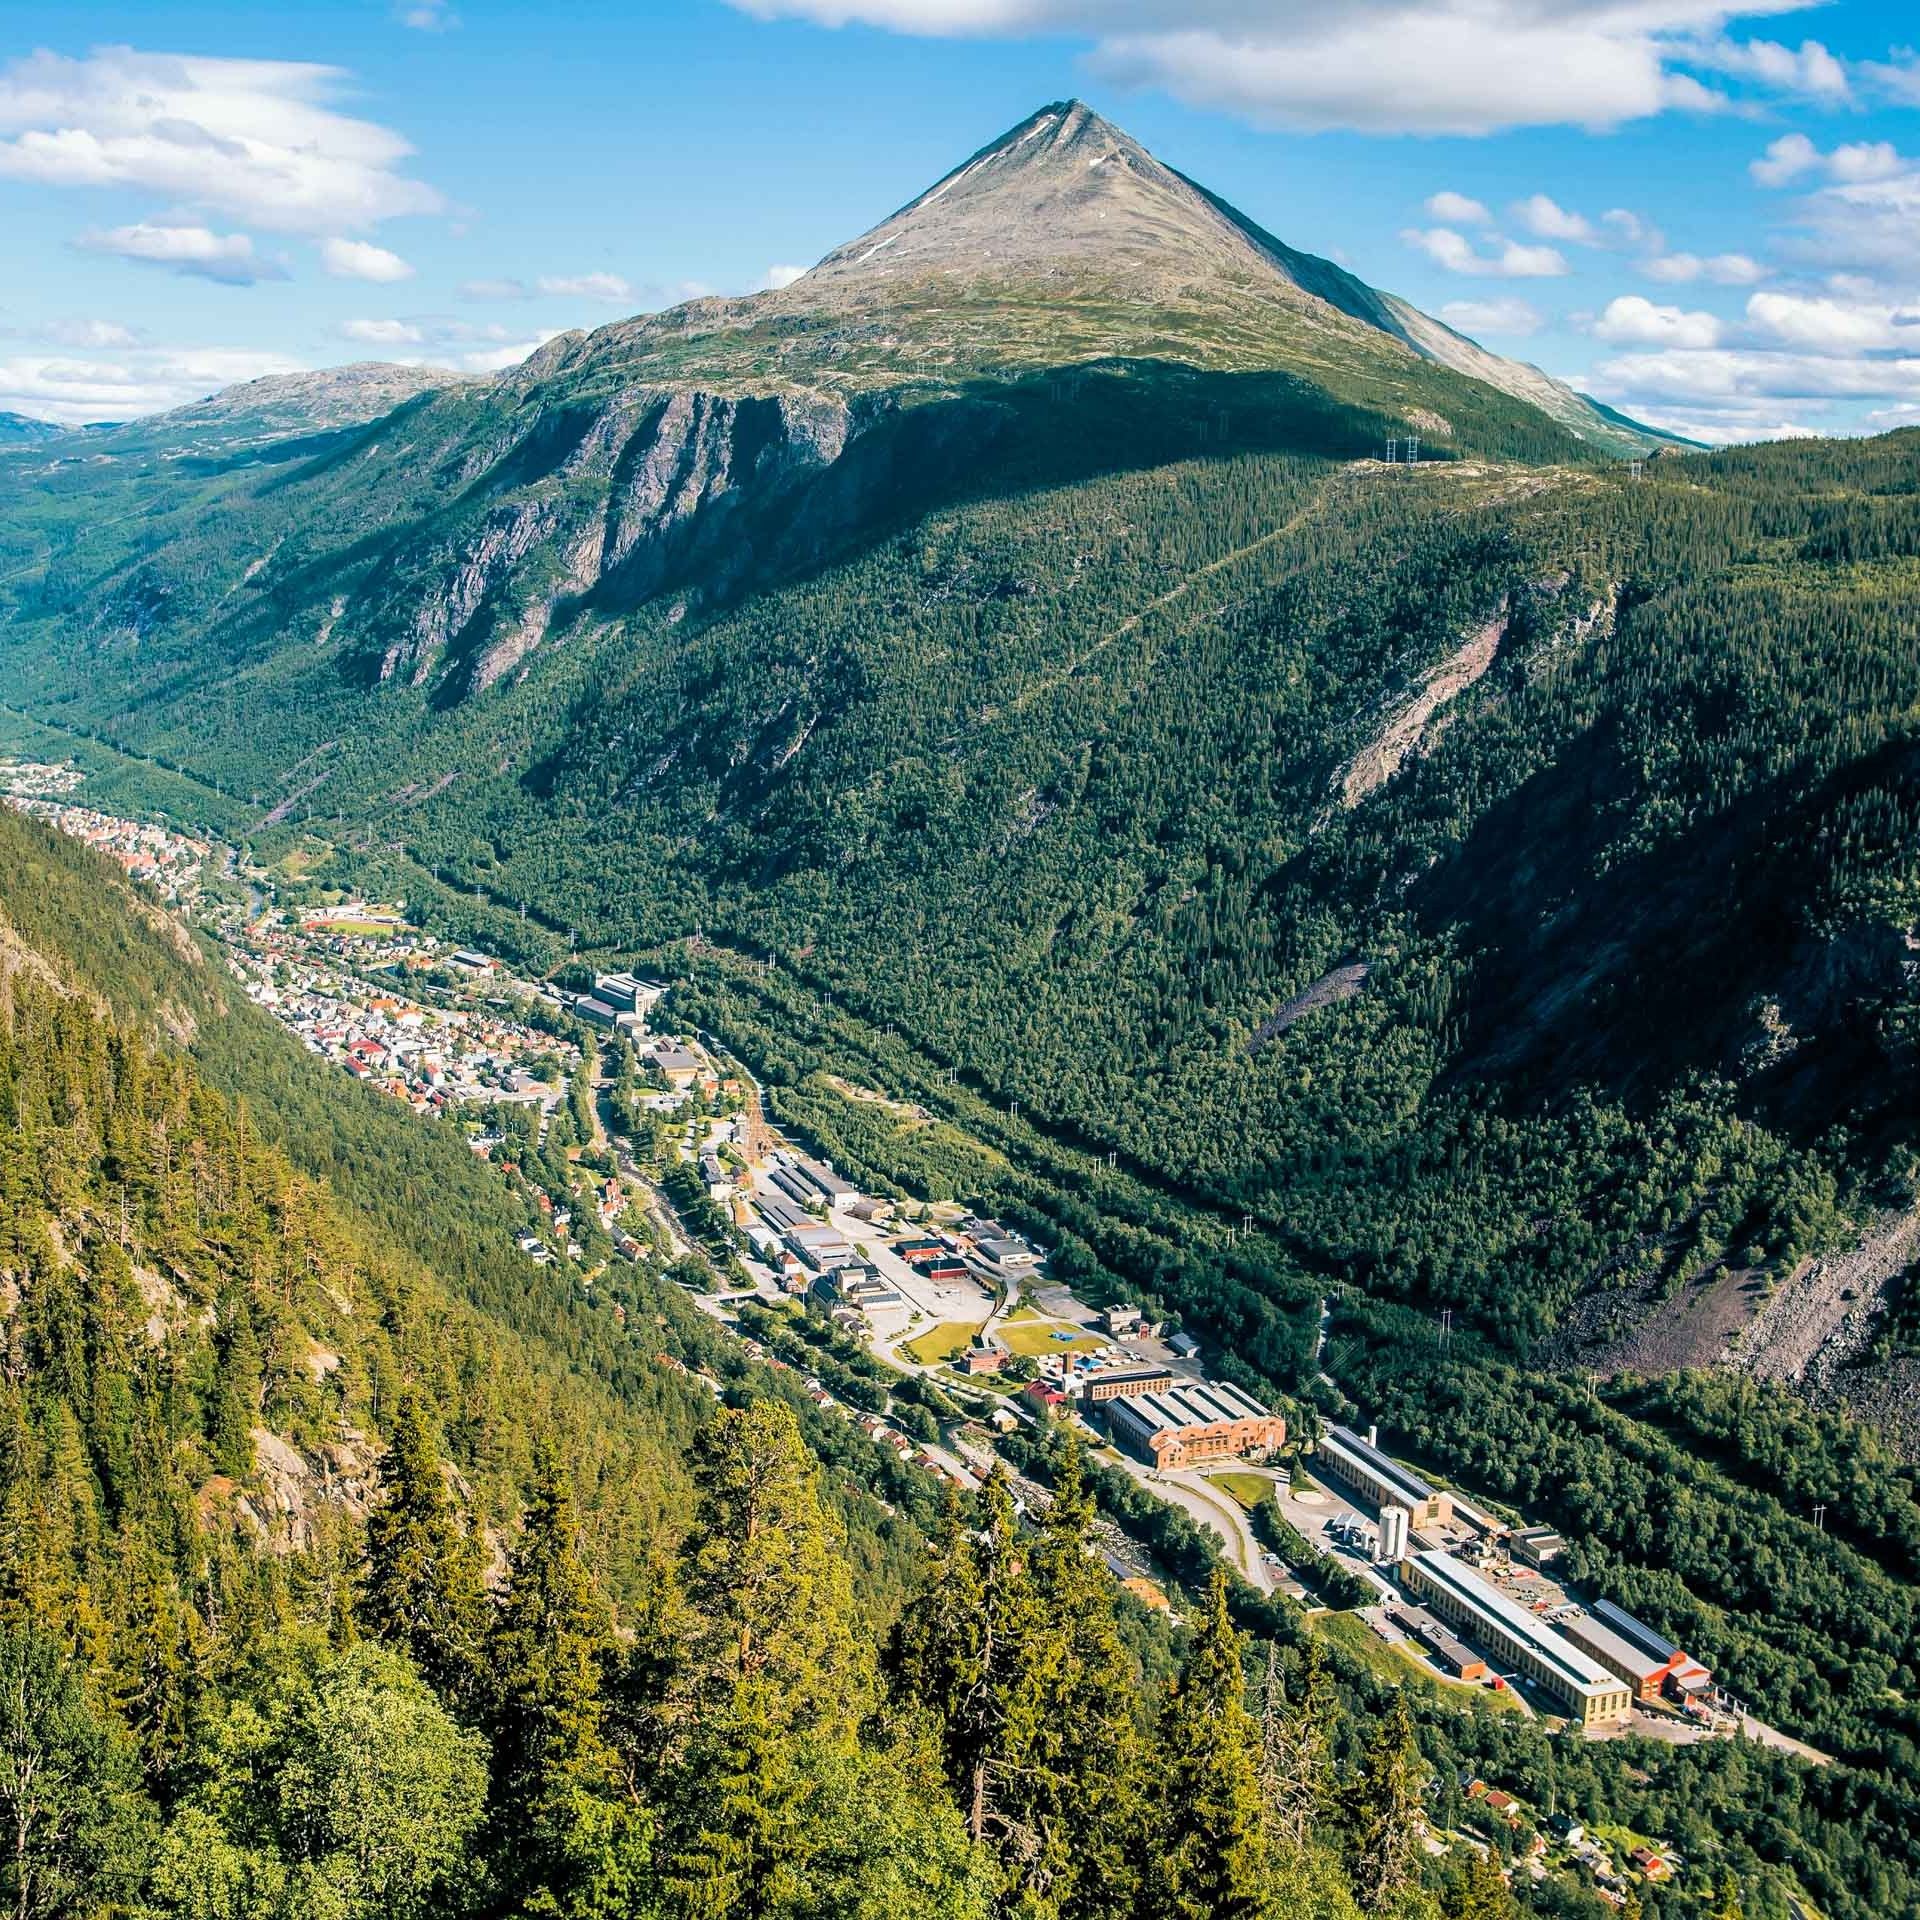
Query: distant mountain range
[22,430]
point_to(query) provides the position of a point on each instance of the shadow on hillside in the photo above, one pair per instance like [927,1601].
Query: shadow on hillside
[1628,979]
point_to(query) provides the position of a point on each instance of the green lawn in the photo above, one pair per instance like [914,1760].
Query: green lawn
[1248,1488]
[941,1342]
[1035,1337]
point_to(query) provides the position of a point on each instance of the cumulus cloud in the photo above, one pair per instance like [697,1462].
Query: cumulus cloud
[1723,269]
[1509,260]
[1458,210]
[75,391]
[256,139]
[428,16]
[90,333]
[777,277]
[1389,66]
[1516,318]
[1867,220]
[362,260]
[1793,156]
[1808,70]
[1744,373]
[1827,325]
[198,251]
[1633,320]
[1545,219]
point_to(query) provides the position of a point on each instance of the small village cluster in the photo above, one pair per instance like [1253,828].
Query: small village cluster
[170,863]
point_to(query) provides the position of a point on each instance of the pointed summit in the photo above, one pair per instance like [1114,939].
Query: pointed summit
[1067,214]
[1064,188]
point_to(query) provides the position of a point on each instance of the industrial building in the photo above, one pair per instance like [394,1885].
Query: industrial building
[1194,1421]
[1592,1695]
[1360,1465]
[1671,1671]
[1537,1546]
[1125,1383]
[1448,1649]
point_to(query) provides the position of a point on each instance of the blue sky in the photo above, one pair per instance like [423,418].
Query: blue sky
[1706,213]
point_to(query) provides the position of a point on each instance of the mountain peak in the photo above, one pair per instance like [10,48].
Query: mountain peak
[1063,187]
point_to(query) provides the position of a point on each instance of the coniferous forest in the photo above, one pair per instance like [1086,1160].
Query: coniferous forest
[1474,900]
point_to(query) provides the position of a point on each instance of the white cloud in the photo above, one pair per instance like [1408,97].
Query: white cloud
[199,251]
[588,286]
[502,289]
[1627,228]
[1516,318]
[1510,260]
[362,260]
[1730,373]
[1834,326]
[381,333]
[90,333]
[1794,155]
[1868,222]
[252,138]
[1723,269]
[1458,210]
[777,277]
[428,16]
[497,359]
[1399,66]
[1546,219]
[1808,69]
[78,391]
[1633,320]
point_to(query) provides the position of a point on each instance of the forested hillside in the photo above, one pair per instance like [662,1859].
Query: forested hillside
[324,1592]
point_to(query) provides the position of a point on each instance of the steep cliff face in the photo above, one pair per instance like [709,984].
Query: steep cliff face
[596,508]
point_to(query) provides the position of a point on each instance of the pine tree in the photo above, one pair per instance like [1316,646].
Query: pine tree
[1086,1795]
[976,1651]
[565,1812]
[1727,1904]
[1484,1893]
[1211,1862]
[1385,1818]
[423,1591]
[773,1677]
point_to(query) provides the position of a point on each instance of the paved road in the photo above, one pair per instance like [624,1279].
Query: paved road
[1206,1503]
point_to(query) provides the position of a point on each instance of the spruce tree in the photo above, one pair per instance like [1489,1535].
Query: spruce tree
[773,1679]
[423,1591]
[1211,1861]
[1385,1818]
[567,1818]
[1085,1800]
[1484,1893]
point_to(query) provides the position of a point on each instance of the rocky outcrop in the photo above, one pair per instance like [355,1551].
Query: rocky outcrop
[597,509]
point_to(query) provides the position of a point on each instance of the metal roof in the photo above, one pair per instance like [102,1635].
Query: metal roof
[1579,1670]
[1636,1631]
[1344,1442]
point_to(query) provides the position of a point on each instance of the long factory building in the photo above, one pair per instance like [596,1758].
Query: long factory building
[1360,1466]
[1591,1695]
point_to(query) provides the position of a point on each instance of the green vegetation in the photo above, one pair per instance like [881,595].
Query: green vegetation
[1250,1489]
[940,1343]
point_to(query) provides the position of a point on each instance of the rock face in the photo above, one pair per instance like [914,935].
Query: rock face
[614,504]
